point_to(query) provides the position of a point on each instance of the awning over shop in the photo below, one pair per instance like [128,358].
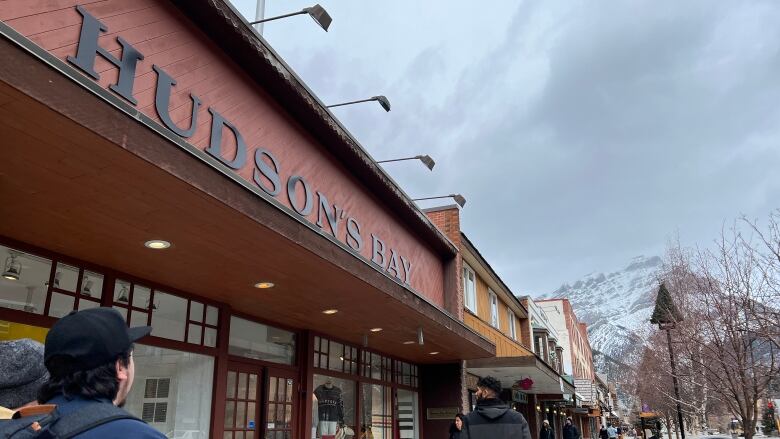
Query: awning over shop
[512,369]
[84,175]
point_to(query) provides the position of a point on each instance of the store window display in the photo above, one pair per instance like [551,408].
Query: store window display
[334,405]
[376,419]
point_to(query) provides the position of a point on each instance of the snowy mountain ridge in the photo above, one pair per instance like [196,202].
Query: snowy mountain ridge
[617,308]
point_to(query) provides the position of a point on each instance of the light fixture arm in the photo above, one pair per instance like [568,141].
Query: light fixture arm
[316,12]
[425,159]
[383,101]
[279,17]
[460,199]
[350,103]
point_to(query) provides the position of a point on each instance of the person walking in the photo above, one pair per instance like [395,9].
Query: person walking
[546,432]
[603,433]
[492,418]
[89,356]
[457,426]
[612,431]
[570,431]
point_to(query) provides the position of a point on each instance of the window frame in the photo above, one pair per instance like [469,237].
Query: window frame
[512,324]
[495,319]
[469,294]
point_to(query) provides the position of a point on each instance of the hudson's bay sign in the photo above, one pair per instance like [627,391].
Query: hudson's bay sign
[296,192]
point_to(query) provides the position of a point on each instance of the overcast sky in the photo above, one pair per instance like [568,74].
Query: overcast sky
[581,133]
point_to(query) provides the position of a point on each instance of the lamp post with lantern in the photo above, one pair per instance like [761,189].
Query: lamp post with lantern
[666,316]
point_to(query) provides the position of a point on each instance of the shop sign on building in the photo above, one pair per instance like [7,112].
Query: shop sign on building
[518,396]
[301,197]
[442,412]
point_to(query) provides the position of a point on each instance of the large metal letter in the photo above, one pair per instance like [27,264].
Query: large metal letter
[88,49]
[270,172]
[378,251]
[162,100]
[215,146]
[292,183]
[407,270]
[354,239]
[333,216]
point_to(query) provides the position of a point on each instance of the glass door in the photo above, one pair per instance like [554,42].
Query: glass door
[282,398]
[242,410]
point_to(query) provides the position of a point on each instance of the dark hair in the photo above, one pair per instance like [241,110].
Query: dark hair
[491,383]
[462,418]
[100,382]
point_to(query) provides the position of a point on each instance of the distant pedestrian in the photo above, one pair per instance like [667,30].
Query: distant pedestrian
[21,374]
[492,418]
[457,426]
[570,431]
[603,434]
[611,431]
[546,432]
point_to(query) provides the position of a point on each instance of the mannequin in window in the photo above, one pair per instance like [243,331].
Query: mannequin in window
[330,408]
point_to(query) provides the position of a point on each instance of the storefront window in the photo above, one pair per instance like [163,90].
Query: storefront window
[376,420]
[261,342]
[24,281]
[333,405]
[406,414]
[376,366]
[335,356]
[169,316]
[166,313]
[405,374]
[172,391]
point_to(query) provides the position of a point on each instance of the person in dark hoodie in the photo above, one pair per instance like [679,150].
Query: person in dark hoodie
[492,418]
[546,432]
[457,426]
[570,431]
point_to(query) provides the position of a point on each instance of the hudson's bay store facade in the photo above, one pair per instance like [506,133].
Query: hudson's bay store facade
[126,121]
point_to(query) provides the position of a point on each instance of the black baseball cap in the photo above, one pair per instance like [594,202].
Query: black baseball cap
[86,339]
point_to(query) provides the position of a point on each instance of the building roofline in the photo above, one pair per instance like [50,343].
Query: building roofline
[233,34]
[473,250]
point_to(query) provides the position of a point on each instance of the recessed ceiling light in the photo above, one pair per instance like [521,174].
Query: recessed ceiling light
[330,311]
[375,329]
[409,342]
[434,353]
[157,244]
[264,285]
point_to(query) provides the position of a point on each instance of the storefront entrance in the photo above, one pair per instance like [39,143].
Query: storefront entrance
[260,402]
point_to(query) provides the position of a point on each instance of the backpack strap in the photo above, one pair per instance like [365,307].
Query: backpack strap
[85,418]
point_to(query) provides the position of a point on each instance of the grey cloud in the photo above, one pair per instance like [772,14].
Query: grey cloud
[581,135]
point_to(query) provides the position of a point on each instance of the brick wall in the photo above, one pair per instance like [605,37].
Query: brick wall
[447,220]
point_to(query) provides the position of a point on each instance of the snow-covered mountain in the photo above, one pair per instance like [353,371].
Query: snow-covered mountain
[617,308]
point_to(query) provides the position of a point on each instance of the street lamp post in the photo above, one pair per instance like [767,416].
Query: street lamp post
[665,315]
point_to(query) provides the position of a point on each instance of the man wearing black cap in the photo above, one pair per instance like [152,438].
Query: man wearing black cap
[492,418]
[89,355]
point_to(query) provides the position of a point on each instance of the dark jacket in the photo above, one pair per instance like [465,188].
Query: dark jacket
[493,419]
[122,428]
[603,433]
[546,433]
[570,432]
[454,432]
